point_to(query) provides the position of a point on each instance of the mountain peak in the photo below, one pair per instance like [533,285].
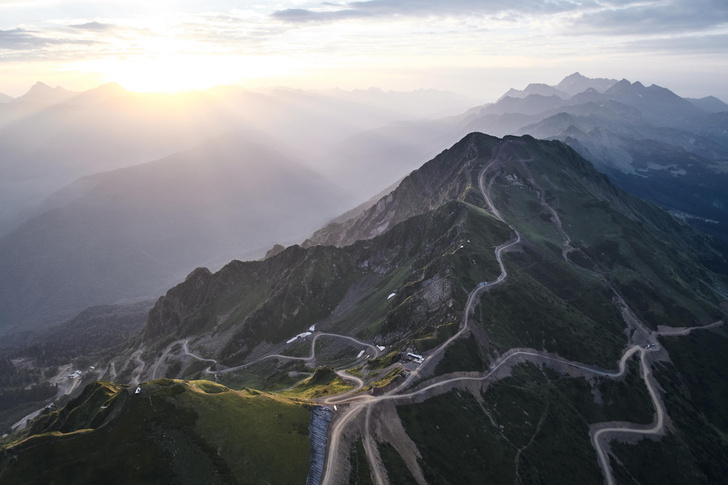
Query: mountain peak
[42,93]
[540,89]
[576,83]
[709,104]
[99,94]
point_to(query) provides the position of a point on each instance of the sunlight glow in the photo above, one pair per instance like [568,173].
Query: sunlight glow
[180,72]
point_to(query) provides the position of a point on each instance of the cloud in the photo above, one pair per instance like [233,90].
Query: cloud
[301,15]
[656,17]
[20,39]
[94,26]
[420,8]
[694,44]
[31,44]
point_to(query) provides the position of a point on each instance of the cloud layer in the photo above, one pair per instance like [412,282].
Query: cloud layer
[421,8]
[381,34]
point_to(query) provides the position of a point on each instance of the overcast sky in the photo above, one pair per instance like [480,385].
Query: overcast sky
[474,47]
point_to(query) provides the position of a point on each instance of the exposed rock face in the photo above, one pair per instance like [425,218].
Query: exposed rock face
[444,178]
[276,249]
[179,304]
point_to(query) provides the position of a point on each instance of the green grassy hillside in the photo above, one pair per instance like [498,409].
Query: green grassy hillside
[172,431]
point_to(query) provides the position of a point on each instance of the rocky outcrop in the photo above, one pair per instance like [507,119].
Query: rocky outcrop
[444,178]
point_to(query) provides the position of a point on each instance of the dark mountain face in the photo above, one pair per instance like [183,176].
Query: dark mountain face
[133,232]
[516,275]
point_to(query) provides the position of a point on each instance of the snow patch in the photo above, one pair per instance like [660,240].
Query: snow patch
[360,354]
[391,295]
[381,347]
[300,335]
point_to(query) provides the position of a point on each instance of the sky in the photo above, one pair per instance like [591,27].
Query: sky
[478,48]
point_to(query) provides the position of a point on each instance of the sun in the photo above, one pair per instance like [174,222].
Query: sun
[174,73]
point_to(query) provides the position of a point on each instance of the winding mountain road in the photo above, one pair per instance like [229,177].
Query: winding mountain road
[358,403]
[658,427]
[312,356]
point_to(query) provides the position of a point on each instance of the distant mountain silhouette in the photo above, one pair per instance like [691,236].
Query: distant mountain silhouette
[133,232]
[709,104]
[536,88]
[649,140]
[41,93]
[50,137]
[576,83]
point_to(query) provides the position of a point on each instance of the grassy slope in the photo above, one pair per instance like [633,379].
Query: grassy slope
[696,385]
[173,431]
[324,382]
[462,441]
[649,256]
[551,305]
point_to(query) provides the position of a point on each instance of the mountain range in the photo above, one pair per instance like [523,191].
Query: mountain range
[464,328]
[50,137]
[648,140]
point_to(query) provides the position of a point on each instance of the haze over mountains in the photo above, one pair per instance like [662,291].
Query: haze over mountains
[652,142]
[131,233]
[50,136]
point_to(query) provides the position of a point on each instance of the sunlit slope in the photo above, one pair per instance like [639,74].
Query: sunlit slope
[134,232]
[183,432]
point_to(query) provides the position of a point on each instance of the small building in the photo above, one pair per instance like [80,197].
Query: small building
[417,358]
